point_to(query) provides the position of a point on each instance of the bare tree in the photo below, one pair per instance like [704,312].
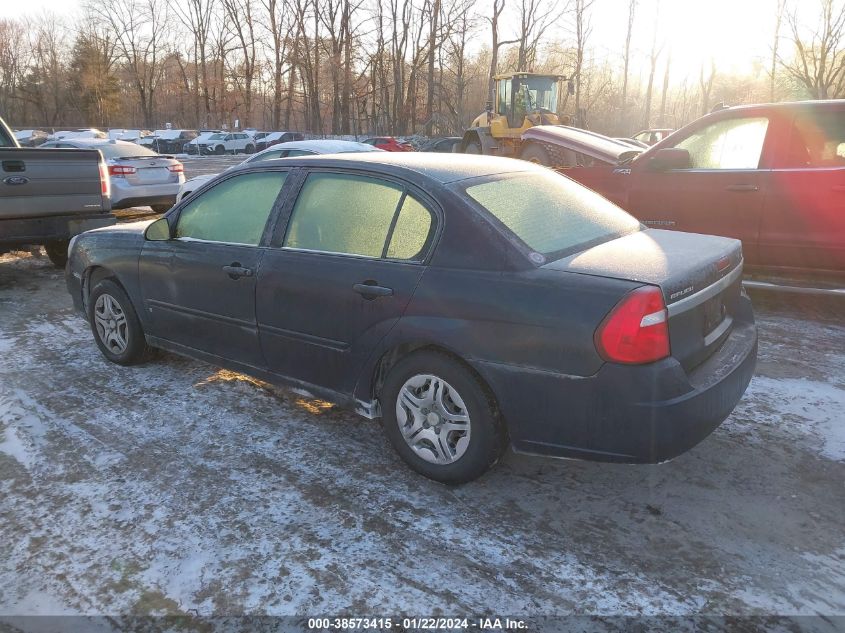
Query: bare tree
[240,19]
[706,86]
[582,34]
[197,16]
[498,9]
[818,63]
[653,57]
[139,30]
[535,17]
[626,59]
[781,5]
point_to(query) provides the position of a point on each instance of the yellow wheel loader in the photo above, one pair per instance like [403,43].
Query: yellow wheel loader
[522,101]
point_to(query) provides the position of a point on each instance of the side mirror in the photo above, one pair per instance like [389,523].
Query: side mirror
[670,158]
[158,231]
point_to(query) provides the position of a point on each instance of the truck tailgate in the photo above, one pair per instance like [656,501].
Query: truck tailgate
[48,182]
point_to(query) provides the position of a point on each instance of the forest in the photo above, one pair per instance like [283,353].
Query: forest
[402,67]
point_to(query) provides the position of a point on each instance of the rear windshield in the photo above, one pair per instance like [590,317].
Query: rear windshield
[549,213]
[123,151]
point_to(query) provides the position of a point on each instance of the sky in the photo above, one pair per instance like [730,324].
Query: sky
[735,33]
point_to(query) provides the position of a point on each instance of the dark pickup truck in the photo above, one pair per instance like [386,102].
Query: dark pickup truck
[770,175]
[49,195]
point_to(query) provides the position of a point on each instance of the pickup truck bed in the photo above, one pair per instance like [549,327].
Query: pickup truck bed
[49,195]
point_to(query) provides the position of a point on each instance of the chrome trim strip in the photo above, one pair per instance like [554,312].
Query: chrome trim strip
[763,285]
[688,303]
[715,334]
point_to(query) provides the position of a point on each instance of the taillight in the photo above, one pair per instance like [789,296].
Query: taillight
[178,168]
[637,329]
[105,183]
[121,170]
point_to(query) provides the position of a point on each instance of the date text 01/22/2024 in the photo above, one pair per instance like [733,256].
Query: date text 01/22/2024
[433,624]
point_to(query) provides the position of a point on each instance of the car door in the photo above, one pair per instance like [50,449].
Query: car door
[199,286]
[342,274]
[803,221]
[719,192]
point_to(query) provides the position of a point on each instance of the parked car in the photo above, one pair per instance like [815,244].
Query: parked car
[377,281]
[652,136]
[168,141]
[192,147]
[78,133]
[30,138]
[389,144]
[445,144]
[49,195]
[128,135]
[139,176]
[274,138]
[772,176]
[226,143]
[283,150]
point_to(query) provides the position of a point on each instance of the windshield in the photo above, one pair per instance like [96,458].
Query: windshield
[537,93]
[549,213]
[119,150]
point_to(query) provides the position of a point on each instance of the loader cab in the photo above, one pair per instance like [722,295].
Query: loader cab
[524,100]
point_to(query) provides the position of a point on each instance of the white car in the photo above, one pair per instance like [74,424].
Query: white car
[81,133]
[128,135]
[283,150]
[227,143]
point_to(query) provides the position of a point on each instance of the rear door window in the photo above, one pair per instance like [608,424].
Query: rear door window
[817,140]
[234,211]
[358,215]
[727,144]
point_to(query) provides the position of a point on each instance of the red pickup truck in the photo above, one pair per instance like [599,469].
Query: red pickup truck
[771,175]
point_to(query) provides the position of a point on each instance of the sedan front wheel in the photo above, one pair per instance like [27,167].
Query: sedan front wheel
[115,325]
[441,419]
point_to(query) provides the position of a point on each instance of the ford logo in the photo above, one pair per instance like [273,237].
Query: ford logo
[16,180]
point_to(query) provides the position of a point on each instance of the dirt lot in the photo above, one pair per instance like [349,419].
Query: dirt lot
[178,488]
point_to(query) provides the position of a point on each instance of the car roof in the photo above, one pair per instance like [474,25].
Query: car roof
[94,142]
[430,166]
[324,146]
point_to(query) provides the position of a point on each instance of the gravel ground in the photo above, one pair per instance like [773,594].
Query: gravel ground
[176,487]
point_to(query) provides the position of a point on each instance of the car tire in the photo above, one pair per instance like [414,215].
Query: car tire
[536,153]
[250,149]
[115,325]
[57,252]
[219,150]
[423,395]
[160,208]
[473,148]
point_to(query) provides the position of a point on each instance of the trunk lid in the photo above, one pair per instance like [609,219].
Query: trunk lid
[700,277]
[150,170]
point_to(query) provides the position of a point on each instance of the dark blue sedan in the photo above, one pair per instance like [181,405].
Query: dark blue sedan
[469,302]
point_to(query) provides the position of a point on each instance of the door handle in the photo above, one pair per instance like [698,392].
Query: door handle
[370,290]
[236,271]
[14,166]
[742,187]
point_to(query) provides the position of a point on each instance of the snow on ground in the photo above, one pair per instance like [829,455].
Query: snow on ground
[176,487]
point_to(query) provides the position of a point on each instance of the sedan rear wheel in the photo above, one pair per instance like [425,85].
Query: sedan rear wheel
[219,150]
[117,330]
[440,418]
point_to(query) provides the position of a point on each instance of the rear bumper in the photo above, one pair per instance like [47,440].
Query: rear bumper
[632,414]
[124,197]
[23,231]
